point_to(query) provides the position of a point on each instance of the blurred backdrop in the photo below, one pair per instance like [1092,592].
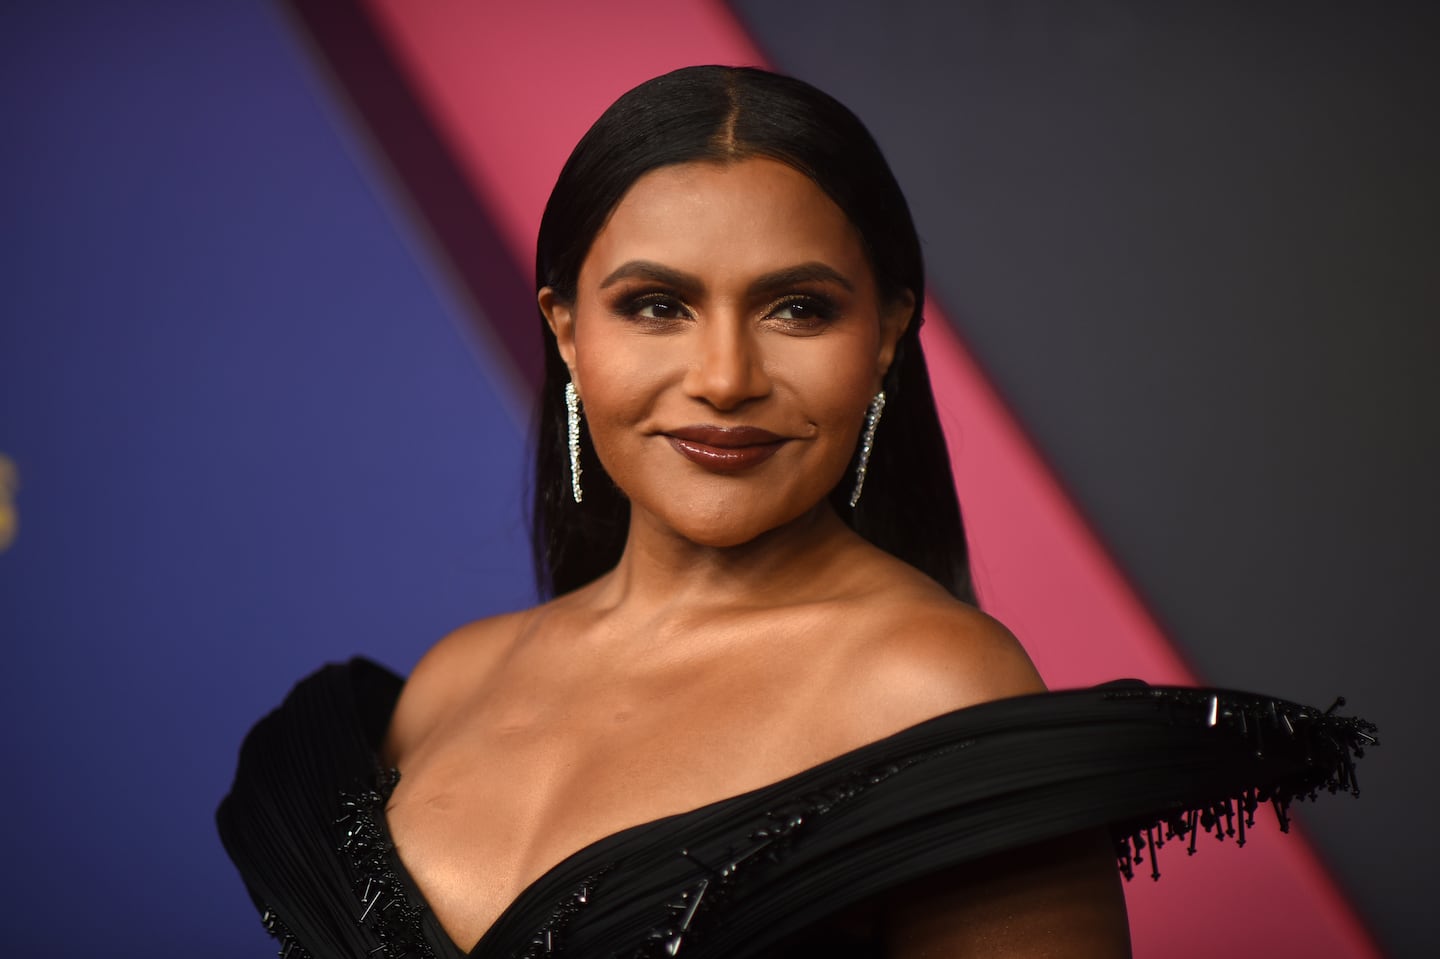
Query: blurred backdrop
[267,345]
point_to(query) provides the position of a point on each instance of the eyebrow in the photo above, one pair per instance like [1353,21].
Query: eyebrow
[813,272]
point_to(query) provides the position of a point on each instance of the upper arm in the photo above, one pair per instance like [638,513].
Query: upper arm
[1058,898]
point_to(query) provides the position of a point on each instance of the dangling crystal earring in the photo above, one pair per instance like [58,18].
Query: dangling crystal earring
[867,443]
[572,422]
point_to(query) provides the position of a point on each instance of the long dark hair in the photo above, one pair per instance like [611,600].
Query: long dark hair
[725,114]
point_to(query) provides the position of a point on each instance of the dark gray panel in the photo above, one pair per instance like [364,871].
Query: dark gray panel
[1196,249]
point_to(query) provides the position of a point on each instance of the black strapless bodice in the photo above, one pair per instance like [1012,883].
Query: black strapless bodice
[304,821]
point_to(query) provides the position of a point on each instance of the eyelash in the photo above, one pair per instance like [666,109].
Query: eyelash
[821,308]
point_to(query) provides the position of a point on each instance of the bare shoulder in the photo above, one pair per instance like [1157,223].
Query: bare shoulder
[924,653]
[446,673]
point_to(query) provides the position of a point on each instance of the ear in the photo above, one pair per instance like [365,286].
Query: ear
[560,317]
[894,321]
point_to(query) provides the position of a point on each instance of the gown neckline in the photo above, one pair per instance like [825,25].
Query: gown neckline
[588,851]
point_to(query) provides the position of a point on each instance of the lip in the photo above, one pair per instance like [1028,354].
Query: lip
[725,449]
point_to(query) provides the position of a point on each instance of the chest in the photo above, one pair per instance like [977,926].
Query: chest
[504,792]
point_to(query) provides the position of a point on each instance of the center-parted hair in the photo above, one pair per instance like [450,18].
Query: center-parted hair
[725,114]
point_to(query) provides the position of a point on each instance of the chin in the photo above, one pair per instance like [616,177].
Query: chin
[730,527]
[723,539]
[719,535]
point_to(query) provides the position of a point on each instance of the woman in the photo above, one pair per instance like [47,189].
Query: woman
[762,713]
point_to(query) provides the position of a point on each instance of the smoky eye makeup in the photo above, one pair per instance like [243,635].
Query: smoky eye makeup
[656,307]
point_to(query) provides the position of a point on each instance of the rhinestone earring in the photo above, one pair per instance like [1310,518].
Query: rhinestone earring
[572,423]
[867,443]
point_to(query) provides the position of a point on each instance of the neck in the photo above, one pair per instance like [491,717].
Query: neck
[792,563]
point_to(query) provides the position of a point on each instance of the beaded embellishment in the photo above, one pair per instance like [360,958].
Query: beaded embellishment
[290,947]
[549,939]
[383,906]
[765,845]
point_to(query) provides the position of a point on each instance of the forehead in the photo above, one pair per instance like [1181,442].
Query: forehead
[724,221]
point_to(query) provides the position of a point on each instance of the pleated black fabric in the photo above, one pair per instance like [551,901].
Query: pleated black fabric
[305,824]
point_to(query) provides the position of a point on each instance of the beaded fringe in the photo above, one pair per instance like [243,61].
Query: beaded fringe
[1330,745]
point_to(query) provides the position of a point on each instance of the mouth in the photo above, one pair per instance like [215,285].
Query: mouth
[725,449]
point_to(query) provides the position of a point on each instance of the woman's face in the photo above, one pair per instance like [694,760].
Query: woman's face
[725,339]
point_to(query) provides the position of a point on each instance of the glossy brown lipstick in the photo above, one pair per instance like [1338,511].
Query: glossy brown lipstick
[725,449]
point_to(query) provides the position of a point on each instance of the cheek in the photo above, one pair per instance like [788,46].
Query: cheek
[609,389]
[835,386]
[611,374]
[618,386]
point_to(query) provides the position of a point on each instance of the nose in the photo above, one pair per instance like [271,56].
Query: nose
[727,369]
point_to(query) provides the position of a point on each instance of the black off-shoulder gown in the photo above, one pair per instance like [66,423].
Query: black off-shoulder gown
[304,821]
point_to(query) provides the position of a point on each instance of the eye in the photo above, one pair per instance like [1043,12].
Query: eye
[802,311]
[654,308]
[659,308]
